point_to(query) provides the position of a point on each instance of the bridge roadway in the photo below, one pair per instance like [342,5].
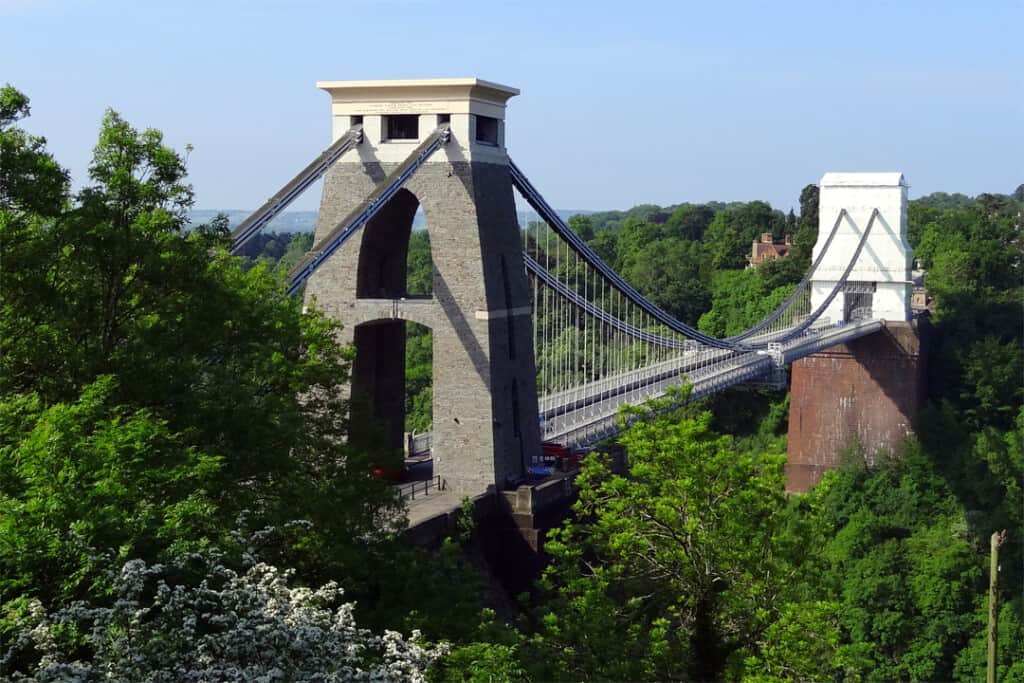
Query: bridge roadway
[551,405]
[590,412]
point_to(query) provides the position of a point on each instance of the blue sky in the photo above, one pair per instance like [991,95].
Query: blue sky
[622,102]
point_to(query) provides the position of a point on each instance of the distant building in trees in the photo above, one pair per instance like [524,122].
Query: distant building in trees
[766,249]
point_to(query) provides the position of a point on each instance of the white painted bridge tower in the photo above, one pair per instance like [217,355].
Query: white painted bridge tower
[879,285]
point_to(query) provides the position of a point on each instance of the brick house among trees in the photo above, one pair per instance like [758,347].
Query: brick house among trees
[767,250]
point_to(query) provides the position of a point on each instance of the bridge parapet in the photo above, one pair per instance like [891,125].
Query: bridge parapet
[879,286]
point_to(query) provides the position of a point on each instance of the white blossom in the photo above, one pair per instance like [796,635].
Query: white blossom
[231,626]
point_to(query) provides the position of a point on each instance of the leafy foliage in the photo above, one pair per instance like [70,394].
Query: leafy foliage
[278,251]
[153,387]
[31,182]
[643,586]
[902,566]
[740,299]
[90,475]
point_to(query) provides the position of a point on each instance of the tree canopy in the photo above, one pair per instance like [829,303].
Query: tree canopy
[152,388]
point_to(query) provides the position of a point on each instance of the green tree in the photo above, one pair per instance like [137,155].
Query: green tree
[298,245]
[977,280]
[420,264]
[670,273]
[419,378]
[80,478]
[634,236]
[807,226]
[904,565]
[208,363]
[790,223]
[727,248]
[730,234]
[605,245]
[971,665]
[919,216]
[689,222]
[582,226]
[675,570]
[739,300]
[31,182]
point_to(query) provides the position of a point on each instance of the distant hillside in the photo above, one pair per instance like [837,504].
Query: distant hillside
[289,221]
[305,221]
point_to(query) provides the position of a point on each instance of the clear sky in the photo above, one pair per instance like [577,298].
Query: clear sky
[622,102]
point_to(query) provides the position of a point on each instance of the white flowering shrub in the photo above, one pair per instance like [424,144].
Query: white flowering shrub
[229,626]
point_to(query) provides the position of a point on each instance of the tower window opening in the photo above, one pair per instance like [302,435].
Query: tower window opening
[402,127]
[487,130]
[355,120]
[443,119]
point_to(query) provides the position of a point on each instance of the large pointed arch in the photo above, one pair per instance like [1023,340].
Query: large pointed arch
[384,249]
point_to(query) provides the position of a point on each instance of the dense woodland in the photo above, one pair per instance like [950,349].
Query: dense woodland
[178,500]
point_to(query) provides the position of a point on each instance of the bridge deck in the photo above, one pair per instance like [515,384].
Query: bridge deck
[581,424]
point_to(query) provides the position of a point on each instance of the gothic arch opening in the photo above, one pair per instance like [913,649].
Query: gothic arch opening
[419,378]
[393,262]
[392,374]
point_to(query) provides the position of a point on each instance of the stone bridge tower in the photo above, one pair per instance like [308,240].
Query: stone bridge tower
[485,425]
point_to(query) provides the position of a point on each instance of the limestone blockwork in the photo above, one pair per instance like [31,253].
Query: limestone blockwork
[485,425]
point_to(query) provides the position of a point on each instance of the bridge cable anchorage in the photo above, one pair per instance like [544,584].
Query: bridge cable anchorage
[259,218]
[362,214]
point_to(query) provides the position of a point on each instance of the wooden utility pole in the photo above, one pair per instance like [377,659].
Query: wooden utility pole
[998,538]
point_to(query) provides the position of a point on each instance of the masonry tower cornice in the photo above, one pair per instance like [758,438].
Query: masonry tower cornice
[398,113]
[417,93]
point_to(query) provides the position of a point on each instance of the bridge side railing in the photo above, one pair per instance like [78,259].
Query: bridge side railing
[412,489]
[590,424]
[419,444]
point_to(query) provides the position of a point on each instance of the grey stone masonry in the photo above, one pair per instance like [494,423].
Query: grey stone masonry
[485,400]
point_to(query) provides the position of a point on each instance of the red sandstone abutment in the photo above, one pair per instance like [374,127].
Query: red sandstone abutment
[862,394]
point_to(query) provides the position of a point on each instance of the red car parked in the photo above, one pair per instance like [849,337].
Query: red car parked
[557,455]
